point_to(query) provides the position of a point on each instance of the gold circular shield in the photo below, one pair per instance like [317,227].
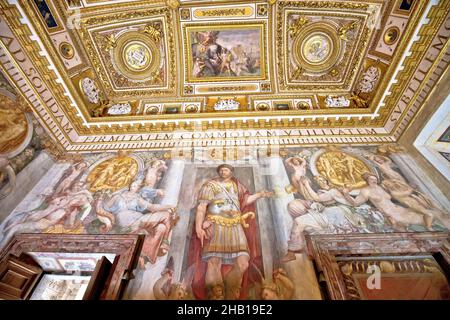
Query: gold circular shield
[113,174]
[13,125]
[192,108]
[262,106]
[342,169]
[66,50]
[391,35]
[152,110]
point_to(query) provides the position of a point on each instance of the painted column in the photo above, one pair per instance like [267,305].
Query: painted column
[25,182]
[172,187]
[171,182]
[267,234]
[301,270]
[142,286]
[278,179]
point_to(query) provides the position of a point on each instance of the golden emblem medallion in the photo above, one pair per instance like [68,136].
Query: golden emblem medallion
[113,174]
[342,169]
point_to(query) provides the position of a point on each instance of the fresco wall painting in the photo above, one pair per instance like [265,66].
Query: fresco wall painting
[233,230]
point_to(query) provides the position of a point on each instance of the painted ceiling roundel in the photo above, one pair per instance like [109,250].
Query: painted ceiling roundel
[105,75]
[317,48]
[136,56]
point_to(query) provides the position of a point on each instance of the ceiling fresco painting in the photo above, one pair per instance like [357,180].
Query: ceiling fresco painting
[156,74]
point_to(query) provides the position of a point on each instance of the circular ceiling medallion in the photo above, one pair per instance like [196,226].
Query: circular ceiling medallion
[391,35]
[136,56]
[192,108]
[262,106]
[66,50]
[317,47]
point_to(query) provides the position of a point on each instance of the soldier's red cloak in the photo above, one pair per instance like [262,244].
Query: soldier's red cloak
[252,234]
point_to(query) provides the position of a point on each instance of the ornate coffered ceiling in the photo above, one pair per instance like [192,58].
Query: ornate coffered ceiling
[133,55]
[105,75]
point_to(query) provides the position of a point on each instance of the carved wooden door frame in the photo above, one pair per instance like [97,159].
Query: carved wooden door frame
[325,248]
[126,247]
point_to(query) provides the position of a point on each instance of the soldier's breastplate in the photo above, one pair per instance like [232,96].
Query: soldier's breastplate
[223,207]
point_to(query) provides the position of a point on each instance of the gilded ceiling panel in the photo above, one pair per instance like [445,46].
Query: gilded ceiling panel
[321,49]
[115,71]
[133,55]
[226,49]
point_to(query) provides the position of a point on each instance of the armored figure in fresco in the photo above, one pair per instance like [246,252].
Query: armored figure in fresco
[226,235]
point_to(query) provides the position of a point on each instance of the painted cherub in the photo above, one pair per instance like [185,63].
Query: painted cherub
[164,289]
[281,288]
[154,172]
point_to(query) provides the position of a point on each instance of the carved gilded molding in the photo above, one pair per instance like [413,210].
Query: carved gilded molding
[74,127]
[288,44]
[103,65]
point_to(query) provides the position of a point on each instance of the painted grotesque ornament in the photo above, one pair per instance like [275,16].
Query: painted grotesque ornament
[90,90]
